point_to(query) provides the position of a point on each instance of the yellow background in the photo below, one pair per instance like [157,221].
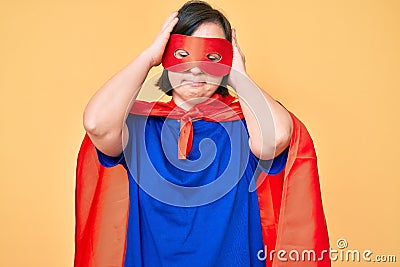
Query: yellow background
[335,64]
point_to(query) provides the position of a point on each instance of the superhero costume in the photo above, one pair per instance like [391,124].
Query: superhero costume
[102,207]
[289,203]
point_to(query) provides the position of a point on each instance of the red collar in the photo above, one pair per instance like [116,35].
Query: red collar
[216,108]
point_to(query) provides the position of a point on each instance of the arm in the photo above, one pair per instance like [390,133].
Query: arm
[105,114]
[269,124]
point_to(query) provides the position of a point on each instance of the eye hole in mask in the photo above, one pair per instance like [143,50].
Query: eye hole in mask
[180,53]
[214,57]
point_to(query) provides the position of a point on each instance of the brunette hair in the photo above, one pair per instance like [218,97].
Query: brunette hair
[191,15]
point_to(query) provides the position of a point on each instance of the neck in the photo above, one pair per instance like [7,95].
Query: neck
[188,104]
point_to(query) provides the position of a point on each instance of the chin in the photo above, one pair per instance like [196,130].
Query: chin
[197,91]
[193,94]
[196,98]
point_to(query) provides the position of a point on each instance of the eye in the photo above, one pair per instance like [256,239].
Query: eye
[180,53]
[214,57]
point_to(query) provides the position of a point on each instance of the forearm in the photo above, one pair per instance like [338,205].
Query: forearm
[269,124]
[107,110]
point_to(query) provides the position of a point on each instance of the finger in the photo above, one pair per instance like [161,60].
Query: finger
[234,36]
[169,19]
[236,45]
[171,25]
[163,35]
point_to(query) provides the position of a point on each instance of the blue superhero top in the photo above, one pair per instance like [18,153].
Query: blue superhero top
[200,211]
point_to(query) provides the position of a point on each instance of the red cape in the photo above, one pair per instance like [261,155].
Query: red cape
[292,216]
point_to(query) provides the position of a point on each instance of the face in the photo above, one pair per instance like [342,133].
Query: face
[194,86]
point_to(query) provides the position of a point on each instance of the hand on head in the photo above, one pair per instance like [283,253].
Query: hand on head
[156,50]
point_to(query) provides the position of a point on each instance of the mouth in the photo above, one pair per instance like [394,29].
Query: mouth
[193,83]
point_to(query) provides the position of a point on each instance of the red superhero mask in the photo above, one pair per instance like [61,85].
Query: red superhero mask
[211,55]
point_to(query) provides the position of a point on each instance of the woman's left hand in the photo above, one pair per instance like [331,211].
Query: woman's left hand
[238,61]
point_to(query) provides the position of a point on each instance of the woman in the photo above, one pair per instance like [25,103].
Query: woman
[190,202]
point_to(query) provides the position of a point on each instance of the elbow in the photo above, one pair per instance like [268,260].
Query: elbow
[92,125]
[268,146]
[263,152]
[268,149]
[283,138]
[284,135]
[282,142]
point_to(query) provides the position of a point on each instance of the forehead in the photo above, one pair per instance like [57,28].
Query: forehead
[210,30]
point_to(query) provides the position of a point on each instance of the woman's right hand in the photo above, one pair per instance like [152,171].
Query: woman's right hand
[156,50]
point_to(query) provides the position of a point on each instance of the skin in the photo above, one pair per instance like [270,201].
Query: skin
[104,117]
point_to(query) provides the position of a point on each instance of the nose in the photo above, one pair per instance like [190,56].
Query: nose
[196,70]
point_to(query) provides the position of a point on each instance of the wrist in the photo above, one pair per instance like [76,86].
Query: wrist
[237,77]
[147,58]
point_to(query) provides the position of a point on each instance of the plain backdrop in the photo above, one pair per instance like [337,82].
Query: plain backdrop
[335,64]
